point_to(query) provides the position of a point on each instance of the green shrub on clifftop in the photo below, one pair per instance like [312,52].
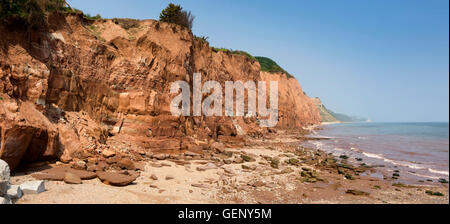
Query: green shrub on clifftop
[234,52]
[268,65]
[175,14]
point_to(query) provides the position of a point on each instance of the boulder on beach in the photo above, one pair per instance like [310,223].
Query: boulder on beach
[14,192]
[115,179]
[71,178]
[5,200]
[33,187]
[58,174]
[4,177]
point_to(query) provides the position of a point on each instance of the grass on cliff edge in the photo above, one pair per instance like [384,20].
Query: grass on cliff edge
[234,52]
[268,65]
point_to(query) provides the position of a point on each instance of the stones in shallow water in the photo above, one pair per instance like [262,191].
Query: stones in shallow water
[33,187]
[443,181]
[434,193]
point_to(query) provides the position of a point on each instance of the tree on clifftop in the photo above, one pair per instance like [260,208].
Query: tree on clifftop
[175,14]
[31,11]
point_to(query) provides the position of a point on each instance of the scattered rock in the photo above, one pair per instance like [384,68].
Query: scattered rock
[170,177]
[306,169]
[218,146]
[199,185]
[357,192]
[247,158]
[228,170]
[256,183]
[227,189]
[287,170]
[3,187]
[33,187]
[310,177]
[293,161]
[207,167]
[274,163]
[434,193]
[160,156]
[71,178]
[108,153]
[115,179]
[154,177]
[14,192]
[126,164]
[4,177]
[58,174]
[443,181]
[5,200]
[238,160]
[79,165]
[349,177]
[248,167]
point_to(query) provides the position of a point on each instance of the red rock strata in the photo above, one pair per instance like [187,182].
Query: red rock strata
[81,87]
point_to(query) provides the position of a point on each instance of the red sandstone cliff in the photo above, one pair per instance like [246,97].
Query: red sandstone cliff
[82,87]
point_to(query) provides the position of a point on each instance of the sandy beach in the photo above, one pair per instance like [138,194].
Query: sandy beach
[249,174]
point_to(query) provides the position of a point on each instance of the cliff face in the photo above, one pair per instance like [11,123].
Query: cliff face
[295,108]
[324,113]
[82,87]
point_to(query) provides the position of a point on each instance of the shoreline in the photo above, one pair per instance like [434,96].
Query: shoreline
[413,171]
[276,169]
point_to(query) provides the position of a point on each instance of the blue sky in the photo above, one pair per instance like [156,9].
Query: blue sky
[382,59]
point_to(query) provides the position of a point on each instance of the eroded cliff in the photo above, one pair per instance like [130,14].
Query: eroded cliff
[80,88]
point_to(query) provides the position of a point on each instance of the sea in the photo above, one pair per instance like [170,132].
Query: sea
[419,152]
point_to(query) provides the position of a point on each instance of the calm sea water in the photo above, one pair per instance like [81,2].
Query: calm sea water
[419,150]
